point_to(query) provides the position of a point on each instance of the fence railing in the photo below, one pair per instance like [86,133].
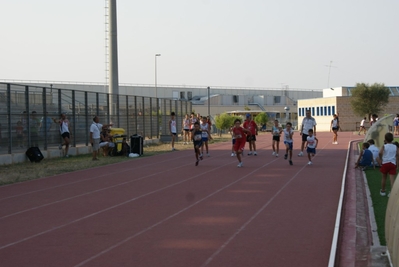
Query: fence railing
[26,114]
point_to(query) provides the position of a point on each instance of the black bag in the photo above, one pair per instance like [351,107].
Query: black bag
[136,144]
[34,154]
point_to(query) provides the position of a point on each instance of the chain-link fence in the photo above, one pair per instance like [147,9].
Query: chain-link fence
[27,113]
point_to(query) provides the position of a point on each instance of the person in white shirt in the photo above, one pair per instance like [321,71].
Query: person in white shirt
[362,127]
[375,151]
[388,154]
[307,123]
[173,129]
[65,132]
[95,131]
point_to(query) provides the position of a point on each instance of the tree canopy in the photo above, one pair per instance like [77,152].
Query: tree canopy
[261,118]
[369,99]
[224,121]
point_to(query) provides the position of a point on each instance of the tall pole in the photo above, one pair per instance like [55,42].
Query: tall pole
[113,54]
[156,94]
[209,101]
[156,89]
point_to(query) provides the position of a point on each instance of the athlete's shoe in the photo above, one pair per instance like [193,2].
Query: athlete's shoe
[196,163]
[274,153]
[239,165]
[290,162]
[300,154]
[383,194]
[249,153]
[207,154]
[200,157]
[233,154]
[255,154]
[285,156]
[310,163]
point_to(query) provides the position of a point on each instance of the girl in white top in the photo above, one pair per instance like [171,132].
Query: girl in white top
[334,128]
[205,135]
[173,129]
[186,129]
[389,156]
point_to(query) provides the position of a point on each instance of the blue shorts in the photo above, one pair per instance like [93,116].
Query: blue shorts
[288,144]
[311,150]
[233,141]
[204,139]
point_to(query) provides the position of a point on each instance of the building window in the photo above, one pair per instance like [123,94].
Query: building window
[321,111]
[333,109]
[189,95]
[329,110]
[277,99]
[318,111]
[182,95]
[313,111]
[325,111]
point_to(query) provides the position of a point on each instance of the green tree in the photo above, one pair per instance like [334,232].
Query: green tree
[369,99]
[224,121]
[261,119]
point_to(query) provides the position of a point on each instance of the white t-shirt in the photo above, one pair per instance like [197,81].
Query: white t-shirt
[204,128]
[311,141]
[64,126]
[374,150]
[95,128]
[389,154]
[308,123]
[362,122]
[287,135]
[173,126]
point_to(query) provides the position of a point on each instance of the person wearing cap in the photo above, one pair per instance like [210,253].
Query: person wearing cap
[251,126]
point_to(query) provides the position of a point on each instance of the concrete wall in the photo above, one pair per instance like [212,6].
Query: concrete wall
[347,119]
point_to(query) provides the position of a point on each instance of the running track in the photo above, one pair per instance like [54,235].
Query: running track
[164,211]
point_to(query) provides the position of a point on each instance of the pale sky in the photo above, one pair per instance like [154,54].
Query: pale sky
[251,43]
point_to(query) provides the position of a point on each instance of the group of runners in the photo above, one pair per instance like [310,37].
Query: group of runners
[247,131]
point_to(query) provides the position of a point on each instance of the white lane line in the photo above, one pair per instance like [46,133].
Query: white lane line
[107,209]
[170,217]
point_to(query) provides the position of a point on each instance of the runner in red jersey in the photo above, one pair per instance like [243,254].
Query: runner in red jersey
[240,136]
[250,125]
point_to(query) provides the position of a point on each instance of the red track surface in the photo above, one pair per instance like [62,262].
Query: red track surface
[164,211]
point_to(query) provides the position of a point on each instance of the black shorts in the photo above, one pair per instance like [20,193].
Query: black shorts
[66,134]
[251,138]
[276,138]
[335,128]
[197,143]
[304,137]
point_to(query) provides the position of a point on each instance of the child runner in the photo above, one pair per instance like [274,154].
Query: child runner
[276,132]
[186,129]
[173,129]
[311,144]
[240,139]
[365,158]
[205,135]
[288,142]
[196,136]
[253,128]
[362,127]
[388,154]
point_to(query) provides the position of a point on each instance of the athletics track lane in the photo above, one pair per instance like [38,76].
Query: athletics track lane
[163,211]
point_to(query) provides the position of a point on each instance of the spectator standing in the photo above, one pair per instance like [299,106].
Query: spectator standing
[388,155]
[334,128]
[65,132]
[186,129]
[396,125]
[173,129]
[307,123]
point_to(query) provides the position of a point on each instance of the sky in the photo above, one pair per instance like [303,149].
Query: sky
[220,43]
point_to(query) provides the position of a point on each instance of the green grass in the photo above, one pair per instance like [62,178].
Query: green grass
[379,202]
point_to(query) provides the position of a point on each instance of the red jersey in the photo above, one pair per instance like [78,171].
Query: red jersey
[251,126]
[238,133]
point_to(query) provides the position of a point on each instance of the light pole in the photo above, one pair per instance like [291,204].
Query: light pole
[156,89]
[156,94]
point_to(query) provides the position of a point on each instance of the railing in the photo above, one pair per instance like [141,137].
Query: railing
[33,109]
